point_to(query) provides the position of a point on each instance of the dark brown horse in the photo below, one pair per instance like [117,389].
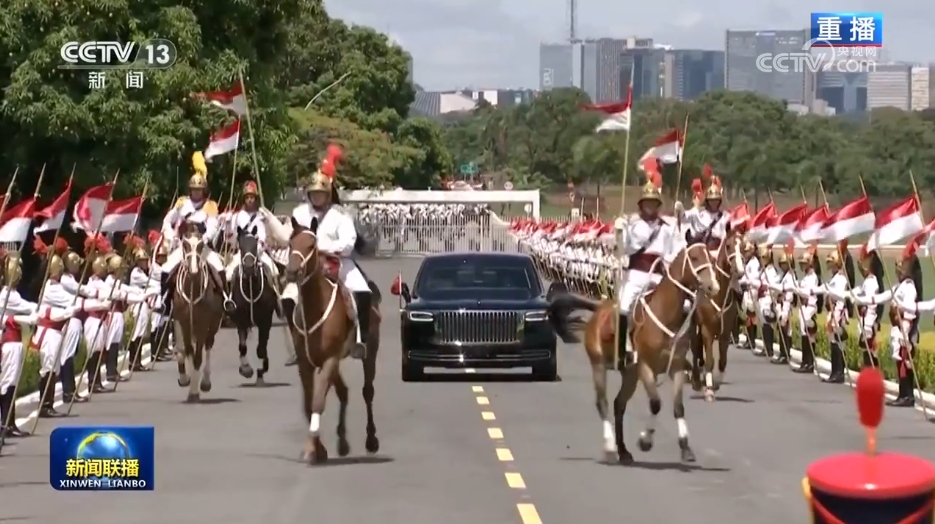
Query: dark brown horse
[323,331]
[197,309]
[714,319]
[657,323]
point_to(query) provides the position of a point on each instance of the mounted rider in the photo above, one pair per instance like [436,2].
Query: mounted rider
[200,211]
[248,219]
[650,244]
[707,223]
[336,238]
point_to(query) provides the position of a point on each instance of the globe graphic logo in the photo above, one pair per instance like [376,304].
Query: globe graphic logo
[103,445]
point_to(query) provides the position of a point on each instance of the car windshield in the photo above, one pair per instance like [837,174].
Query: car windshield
[487,277]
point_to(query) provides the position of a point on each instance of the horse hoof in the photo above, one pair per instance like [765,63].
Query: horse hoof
[697,385]
[625,458]
[184,382]
[344,448]
[321,455]
[205,386]
[709,395]
[645,443]
[246,371]
[260,382]
[372,444]
[688,455]
[193,398]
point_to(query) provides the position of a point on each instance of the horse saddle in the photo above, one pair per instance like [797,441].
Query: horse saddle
[332,268]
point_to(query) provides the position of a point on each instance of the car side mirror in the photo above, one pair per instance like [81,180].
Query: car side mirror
[556,287]
[405,293]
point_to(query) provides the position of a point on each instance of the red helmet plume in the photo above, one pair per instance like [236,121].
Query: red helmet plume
[329,165]
[61,246]
[154,237]
[697,186]
[41,247]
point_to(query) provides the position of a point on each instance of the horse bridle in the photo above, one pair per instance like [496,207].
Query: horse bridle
[306,276]
[251,298]
[194,256]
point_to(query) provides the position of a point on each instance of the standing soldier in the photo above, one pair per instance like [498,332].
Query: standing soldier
[650,243]
[769,277]
[200,210]
[871,267]
[249,220]
[75,329]
[904,320]
[838,288]
[161,331]
[18,312]
[95,332]
[809,290]
[140,282]
[785,290]
[708,224]
[750,283]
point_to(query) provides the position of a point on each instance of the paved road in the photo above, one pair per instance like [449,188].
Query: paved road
[451,449]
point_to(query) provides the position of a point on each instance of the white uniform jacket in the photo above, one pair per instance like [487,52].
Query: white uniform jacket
[644,243]
[700,220]
[870,287]
[750,282]
[204,212]
[903,296]
[837,287]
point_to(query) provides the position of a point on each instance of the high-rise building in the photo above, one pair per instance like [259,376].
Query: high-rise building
[690,72]
[601,63]
[741,72]
[920,87]
[648,70]
[589,69]
[845,92]
[889,86]
[556,69]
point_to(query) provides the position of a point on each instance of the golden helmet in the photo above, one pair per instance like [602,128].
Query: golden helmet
[714,191]
[137,246]
[164,248]
[833,258]
[765,251]
[323,178]
[808,257]
[199,180]
[73,261]
[319,182]
[99,266]
[783,258]
[13,270]
[652,189]
[56,266]
[115,263]
[748,247]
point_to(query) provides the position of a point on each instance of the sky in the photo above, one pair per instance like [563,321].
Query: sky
[488,44]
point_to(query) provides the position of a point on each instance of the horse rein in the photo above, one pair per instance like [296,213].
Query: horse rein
[192,260]
[251,298]
[305,332]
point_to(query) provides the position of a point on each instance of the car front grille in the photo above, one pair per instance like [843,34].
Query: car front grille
[479,327]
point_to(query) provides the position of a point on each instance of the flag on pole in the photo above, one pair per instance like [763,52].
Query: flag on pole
[895,223]
[782,228]
[811,227]
[759,225]
[853,219]
[617,114]
[223,141]
[122,215]
[667,149]
[232,100]
[15,221]
[89,209]
[53,215]
[739,216]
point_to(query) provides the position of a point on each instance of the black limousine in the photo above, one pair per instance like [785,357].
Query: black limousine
[476,310]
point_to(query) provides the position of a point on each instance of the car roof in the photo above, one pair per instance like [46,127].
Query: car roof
[475,255]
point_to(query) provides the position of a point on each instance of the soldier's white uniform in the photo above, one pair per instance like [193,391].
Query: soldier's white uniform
[95,331]
[56,307]
[769,277]
[75,326]
[750,282]
[701,221]
[11,353]
[808,289]
[903,295]
[837,289]
[204,212]
[142,283]
[785,288]
[645,243]
[247,221]
[868,289]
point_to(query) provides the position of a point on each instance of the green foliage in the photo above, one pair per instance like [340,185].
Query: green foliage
[751,141]
[288,52]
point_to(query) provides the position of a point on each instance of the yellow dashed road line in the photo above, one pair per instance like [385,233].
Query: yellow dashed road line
[527,511]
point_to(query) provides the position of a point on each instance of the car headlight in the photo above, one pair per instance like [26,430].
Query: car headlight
[421,316]
[536,316]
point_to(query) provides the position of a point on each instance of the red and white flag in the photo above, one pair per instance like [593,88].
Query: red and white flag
[122,215]
[15,221]
[667,149]
[782,227]
[232,100]
[759,226]
[853,219]
[89,209]
[740,216]
[53,215]
[895,223]
[811,227]
[927,239]
[223,141]
[617,115]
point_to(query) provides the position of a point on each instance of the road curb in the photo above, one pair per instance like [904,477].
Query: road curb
[30,403]
[824,366]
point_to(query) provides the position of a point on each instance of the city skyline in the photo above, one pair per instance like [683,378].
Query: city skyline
[486,44]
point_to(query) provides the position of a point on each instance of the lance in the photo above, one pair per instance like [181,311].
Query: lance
[153,350]
[620,247]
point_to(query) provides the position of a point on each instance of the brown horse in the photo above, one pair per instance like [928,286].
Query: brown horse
[197,309]
[657,322]
[323,331]
[714,319]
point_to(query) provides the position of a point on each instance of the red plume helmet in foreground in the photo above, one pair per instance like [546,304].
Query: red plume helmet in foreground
[870,394]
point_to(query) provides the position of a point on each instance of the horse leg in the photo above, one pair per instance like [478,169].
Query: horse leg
[323,379]
[678,410]
[599,377]
[372,444]
[193,359]
[648,378]
[180,355]
[245,369]
[261,350]
[307,376]
[697,347]
[629,380]
[206,368]
[724,343]
[708,341]
[340,389]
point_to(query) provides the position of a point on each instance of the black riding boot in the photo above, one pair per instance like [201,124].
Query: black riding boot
[113,355]
[751,338]
[8,425]
[808,356]
[47,390]
[622,354]
[907,394]
[869,360]
[768,338]
[69,382]
[134,356]
[784,342]
[95,377]
[837,365]
[363,301]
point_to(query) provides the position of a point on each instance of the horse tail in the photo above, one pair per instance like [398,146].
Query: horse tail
[561,307]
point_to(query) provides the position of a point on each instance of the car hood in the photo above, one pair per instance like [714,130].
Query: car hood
[473,300]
